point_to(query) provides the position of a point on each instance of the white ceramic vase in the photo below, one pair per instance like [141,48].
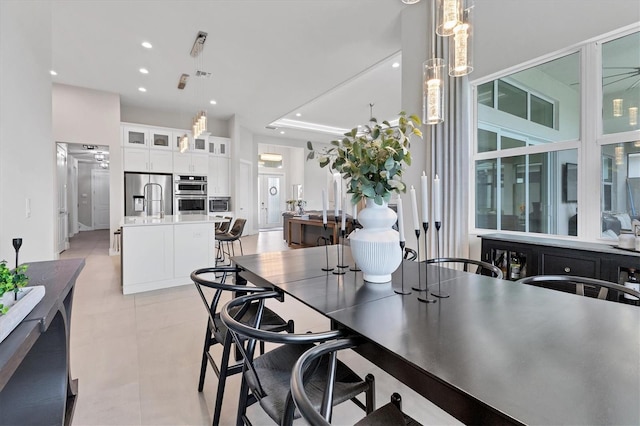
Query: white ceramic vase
[376,247]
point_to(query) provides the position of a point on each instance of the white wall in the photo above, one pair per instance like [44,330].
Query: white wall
[509,32]
[169,118]
[27,150]
[92,117]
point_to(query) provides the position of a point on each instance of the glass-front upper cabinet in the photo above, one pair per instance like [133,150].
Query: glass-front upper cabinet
[621,84]
[135,136]
[160,139]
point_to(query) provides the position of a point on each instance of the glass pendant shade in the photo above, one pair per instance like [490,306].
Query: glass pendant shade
[633,116]
[433,91]
[617,107]
[184,143]
[448,16]
[461,44]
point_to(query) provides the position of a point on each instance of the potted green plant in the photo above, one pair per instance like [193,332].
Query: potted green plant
[373,160]
[11,281]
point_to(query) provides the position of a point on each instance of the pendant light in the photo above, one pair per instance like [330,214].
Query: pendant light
[633,116]
[617,107]
[460,45]
[449,16]
[433,84]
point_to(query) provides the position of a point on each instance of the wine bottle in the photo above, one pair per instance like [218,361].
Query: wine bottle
[632,283]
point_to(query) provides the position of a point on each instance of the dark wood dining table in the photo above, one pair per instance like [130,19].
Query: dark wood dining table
[493,352]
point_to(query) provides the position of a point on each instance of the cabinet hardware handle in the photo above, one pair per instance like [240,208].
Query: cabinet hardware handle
[567,269]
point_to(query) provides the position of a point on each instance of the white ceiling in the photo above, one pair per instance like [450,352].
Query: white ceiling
[327,59]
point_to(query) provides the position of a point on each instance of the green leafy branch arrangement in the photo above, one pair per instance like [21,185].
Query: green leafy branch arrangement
[11,281]
[372,159]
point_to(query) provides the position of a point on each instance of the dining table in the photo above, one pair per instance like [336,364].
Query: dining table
[493,352]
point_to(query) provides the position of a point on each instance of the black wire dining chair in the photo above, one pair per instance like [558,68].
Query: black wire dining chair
[216,333]
[477,266]
[266,378]
[583,286]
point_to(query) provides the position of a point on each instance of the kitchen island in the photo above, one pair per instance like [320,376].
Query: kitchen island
[162,252]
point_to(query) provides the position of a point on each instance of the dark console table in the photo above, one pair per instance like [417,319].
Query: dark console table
[550,256]
[35,381]
[304,231]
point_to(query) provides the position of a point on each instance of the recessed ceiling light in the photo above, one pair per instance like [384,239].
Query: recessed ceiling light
[282,132]
[395,65]
[144,71]
[52,72]
[213,102]
[298,114]
[142,89]
[146,45]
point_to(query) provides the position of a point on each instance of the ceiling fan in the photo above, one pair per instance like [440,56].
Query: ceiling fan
[632,73]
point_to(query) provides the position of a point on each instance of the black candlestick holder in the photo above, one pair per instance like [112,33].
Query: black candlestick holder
[418,288]
[326,250]
[355,268]
[343,234]
[339,269]
[439,293]
[403,292]
[426,298]
[17,243]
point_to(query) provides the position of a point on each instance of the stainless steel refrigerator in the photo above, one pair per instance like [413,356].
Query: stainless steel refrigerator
[147,194]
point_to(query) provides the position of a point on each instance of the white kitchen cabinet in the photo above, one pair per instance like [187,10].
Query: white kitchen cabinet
[190,163]
[160,139]
[200,144]
[135,136]
[149,256]
[193,244]
[219,146]
[147,160]
[218,178]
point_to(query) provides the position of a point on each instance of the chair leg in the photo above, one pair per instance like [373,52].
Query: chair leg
[222,378]
[370,393]
[396,400]
[241,250]
[242,402]
[203,364]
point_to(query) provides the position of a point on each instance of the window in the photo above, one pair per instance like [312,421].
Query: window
[620,142]
[518,187]
[533,166]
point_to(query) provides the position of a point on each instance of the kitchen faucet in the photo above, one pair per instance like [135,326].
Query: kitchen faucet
[149,201]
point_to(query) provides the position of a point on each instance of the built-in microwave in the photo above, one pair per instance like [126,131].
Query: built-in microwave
[190,185]
[219,204]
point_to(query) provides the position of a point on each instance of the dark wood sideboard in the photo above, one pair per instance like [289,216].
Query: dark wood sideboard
[35,381]
[549,256]
[305,231]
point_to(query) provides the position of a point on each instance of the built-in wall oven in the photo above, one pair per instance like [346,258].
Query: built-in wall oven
[190,194]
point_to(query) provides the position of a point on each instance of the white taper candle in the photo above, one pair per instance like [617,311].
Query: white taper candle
[414,209]
[344,214]
[437,199]
[424,183]
[400,220]
[336,199]
[324,207]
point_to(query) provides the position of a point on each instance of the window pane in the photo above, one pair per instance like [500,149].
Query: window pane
[512,100]
[541,111]
[485,94]
[513,207]
[487,140]
[620,188]
[530,196]
[541,103]
[508,143]
[621,84]
[486,201]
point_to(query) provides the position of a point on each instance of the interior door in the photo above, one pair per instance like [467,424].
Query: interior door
[100,199]
[61,171]
[271,200]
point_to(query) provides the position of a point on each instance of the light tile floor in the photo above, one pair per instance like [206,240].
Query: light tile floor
[137,357]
